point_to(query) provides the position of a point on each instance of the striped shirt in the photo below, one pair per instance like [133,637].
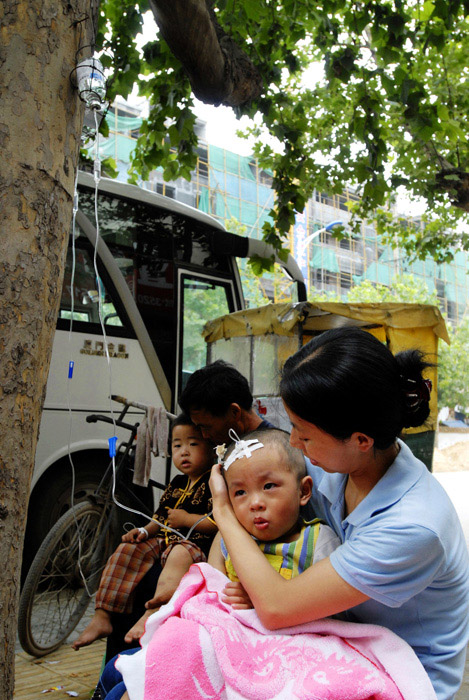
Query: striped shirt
[289,559]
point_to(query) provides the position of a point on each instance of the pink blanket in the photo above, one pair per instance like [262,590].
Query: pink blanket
[197,647]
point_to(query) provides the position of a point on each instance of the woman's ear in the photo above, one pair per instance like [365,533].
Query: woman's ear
[306,488]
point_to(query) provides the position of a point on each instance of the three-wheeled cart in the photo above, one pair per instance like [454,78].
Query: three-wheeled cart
[258,341]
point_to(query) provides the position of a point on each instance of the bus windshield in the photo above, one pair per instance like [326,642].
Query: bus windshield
[151,247]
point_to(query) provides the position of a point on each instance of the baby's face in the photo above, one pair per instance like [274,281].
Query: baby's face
[265,495]
[192,455]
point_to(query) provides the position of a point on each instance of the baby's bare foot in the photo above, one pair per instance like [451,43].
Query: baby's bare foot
[138,629]
[98,627]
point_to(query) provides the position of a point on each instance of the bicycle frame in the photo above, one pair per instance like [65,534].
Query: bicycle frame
[124,457]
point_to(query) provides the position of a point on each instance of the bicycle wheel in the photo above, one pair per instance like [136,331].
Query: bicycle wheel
[54,596]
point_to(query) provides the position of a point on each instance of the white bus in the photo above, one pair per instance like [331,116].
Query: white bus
[164,269]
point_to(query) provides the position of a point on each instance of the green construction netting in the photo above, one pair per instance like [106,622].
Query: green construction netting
[424,268]
[118,123]
[225,207]
[452,294]
[228,207]
[376,272]
[324,259]
[222,160]
[117,146]
[217,179]
[387,256]
[203,200]
[453,274]
[236,193]
[265,195]
[250,214]
[461,267]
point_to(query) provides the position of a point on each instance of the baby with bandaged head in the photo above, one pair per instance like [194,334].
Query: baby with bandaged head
[268,487]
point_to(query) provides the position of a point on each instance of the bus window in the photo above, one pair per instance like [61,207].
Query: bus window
[202,299]
[86,292]
[150,244]
[194,243]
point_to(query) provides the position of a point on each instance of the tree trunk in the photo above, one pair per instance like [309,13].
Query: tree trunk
[40,127]
[219,72]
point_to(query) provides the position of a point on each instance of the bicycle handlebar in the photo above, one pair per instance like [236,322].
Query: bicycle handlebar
[135,404]
[95,417]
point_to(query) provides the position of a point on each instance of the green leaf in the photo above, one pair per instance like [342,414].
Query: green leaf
[259,265]
[427,10]
[109,167]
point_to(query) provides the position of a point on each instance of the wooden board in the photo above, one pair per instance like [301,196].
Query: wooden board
[76,671]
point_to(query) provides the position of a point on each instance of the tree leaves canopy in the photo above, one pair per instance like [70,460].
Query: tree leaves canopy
[388,110]
[453,369]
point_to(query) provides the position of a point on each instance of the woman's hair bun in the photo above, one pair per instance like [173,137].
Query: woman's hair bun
[345,381]
[416,389]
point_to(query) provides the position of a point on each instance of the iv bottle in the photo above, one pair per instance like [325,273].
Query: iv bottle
[91,82]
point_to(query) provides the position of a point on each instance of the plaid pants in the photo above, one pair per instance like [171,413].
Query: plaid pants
[128,565]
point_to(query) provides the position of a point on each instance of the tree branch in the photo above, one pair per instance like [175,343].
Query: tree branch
[449,178]
[219,72]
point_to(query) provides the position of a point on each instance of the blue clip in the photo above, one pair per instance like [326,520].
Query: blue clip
[71,365]
[112,446]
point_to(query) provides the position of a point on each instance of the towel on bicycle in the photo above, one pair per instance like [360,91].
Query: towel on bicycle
[152,438]
[196,646]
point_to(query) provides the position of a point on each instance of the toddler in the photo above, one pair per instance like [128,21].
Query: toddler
[183,503]
[268,486]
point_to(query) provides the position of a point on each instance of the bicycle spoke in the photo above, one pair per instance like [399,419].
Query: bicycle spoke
[57,596]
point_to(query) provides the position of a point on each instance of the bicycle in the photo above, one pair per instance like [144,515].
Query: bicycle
[66,570]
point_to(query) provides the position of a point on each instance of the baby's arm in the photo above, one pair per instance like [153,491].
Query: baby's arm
[178,517]
[215,556]
[136,535]
[234,593]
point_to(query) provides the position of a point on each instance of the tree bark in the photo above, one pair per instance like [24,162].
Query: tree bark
[219,72]
[40,127]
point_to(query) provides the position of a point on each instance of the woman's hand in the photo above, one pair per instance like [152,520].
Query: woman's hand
[236,596]
[218,487]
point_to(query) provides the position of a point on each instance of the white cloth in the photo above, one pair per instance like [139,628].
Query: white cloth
[152,438]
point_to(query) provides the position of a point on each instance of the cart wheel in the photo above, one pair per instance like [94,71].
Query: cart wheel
[54,596]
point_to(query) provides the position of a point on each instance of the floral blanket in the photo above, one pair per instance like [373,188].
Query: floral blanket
[197,647]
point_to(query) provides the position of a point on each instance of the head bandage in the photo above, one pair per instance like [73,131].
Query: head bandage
[242,448]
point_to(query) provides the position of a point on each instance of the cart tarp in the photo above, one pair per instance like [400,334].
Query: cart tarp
[282,319]
[402,326]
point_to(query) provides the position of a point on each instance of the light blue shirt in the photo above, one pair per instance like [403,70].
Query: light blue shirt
[403,546]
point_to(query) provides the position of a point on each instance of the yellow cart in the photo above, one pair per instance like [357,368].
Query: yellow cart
[258,341]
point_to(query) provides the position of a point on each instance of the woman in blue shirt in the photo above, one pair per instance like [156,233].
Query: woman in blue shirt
[403,560]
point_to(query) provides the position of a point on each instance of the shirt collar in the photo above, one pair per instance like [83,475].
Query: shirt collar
[332,486]
[403,473]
